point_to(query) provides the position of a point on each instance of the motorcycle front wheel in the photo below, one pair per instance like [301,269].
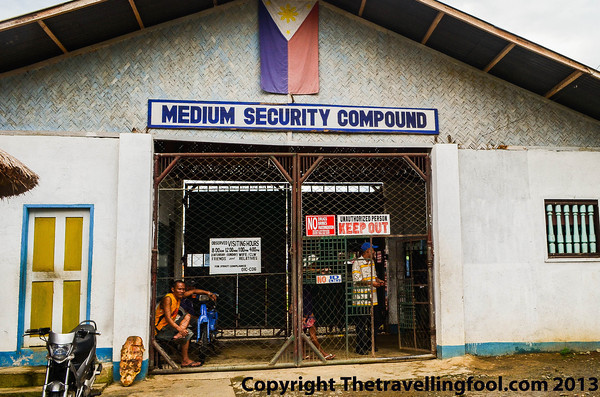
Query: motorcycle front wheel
[204,340]
[204,332]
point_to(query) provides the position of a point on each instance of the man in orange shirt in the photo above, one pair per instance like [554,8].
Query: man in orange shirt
[172,326]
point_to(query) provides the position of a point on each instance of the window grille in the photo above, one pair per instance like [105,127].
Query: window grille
[571,227]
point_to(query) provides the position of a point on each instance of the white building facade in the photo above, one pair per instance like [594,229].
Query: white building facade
[502,156]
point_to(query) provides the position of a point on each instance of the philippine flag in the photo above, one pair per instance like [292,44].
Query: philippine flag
[289,46]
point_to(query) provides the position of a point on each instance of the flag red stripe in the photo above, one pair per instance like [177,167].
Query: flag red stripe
[303,56]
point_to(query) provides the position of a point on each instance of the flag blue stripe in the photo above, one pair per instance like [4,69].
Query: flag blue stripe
[273,54]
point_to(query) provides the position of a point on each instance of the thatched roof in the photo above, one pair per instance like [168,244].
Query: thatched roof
[15,177]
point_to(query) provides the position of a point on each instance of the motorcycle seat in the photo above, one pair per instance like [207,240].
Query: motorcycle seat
[83,345]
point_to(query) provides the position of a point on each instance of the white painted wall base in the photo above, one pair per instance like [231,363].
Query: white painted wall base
[132,287]
[447,243]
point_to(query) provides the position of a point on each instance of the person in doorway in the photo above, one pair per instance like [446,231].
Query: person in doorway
[171,325]
[189,304]
[364,294]
[309,322]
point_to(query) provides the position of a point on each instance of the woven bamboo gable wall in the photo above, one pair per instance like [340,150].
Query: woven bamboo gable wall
[214,56]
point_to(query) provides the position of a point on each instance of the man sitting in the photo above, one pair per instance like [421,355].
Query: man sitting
[171,326]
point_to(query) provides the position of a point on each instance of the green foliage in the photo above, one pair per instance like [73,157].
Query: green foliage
[565,352]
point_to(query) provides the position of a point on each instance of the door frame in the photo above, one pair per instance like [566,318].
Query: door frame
[295,167]
[27,209]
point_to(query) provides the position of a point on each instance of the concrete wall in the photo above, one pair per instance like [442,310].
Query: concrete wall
[214,56]
[133,236]
[496,290]
[447,240]
[85,170]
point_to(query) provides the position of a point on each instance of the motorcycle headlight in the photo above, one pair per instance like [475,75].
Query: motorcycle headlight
[60,353]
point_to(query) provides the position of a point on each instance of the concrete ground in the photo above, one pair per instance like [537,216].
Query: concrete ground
[541,374]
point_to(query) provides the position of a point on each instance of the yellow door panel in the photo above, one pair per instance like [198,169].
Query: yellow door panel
[43,244]
[42,293]
[73,243]
[71,301]
[57,269]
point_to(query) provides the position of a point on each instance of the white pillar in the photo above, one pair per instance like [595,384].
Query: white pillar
[447,246]
[132,290]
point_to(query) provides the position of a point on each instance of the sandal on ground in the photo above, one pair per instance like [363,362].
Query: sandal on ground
[192,364]
[330,356]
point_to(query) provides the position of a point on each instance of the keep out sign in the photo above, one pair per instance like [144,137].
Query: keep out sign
[355,225]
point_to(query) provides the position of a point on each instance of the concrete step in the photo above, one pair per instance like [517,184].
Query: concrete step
[21,391]
[11,377]
[27,381]
[36,391]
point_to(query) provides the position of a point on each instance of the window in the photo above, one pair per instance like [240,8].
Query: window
[571,227]
[198,260]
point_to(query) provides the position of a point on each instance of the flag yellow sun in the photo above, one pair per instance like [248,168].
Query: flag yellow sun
[288,13]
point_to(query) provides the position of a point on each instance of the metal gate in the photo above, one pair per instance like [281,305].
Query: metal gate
[206,199]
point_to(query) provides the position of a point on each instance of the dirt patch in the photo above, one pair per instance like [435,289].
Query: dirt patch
[541,374]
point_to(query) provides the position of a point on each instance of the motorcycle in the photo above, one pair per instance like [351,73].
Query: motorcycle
[206,326]
[72,365]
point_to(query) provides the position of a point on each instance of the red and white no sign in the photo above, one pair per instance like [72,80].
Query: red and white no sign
[320,225]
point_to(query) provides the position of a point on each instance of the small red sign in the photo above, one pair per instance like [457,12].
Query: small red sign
[320,225]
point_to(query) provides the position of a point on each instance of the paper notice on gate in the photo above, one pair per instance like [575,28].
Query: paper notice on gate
[363,225]
[235,255]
